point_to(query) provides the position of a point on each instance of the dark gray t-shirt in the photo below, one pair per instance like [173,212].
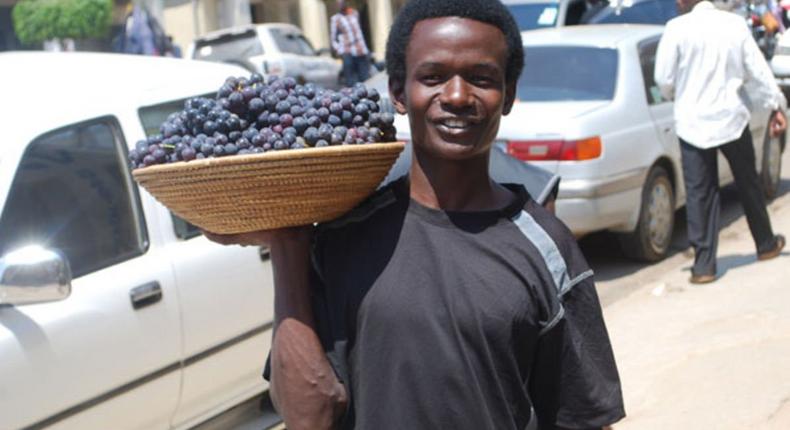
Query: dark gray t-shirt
[442,320]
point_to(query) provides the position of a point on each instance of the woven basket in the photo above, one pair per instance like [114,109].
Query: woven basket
[244,193]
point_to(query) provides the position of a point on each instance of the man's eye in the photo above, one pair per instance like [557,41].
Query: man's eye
[482,80]
[431,78]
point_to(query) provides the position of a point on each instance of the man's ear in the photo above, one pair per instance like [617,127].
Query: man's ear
[510,97]
[398,94]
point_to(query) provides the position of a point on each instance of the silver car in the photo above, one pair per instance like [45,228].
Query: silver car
[589,110]
[270,49]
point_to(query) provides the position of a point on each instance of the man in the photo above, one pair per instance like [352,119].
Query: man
[446,300]
[349,43]
[705,57]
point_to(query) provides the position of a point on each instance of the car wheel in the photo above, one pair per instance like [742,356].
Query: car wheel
[771,171]
[650,241]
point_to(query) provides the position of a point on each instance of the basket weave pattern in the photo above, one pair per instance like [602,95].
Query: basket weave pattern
[276,189]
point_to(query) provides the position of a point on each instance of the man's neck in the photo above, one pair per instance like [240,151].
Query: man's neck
[455,185]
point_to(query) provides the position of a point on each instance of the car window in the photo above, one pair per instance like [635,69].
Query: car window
[568,73]
[647,61]
[532,16]
[292,43]
[644,12]
[73,192]
[231,47]
[151,117]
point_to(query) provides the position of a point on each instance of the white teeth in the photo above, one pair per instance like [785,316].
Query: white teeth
[455,123]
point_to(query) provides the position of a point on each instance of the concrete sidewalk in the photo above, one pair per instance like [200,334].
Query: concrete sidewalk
[709,357]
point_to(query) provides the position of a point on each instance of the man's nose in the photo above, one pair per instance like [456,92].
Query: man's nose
[456,93]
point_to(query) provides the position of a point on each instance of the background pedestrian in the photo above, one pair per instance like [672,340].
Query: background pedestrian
[349,43]
[705,58]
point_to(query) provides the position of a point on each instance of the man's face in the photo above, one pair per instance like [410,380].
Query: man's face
[455,90]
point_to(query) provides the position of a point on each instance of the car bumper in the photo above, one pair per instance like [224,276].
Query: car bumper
[588,205]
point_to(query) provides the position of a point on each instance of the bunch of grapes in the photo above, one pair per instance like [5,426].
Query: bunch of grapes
[255,115]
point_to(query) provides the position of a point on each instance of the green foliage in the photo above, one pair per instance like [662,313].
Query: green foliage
[38,20]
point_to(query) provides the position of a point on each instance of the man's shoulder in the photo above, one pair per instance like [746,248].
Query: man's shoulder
[369,210]
[555,243]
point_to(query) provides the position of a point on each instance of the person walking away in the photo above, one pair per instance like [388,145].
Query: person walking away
[445,300]
[705,57]
[349,42]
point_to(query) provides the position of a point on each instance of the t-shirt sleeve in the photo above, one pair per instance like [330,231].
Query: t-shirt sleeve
[574,383]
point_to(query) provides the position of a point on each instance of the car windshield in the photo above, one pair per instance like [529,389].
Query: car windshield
[228,47]
[291,43]
[567,73]
[535,15]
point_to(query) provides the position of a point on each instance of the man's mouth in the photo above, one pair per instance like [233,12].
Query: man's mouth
[454,126]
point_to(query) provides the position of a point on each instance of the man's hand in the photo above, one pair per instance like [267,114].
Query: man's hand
[778,123]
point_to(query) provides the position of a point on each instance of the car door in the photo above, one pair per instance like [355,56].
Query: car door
[661,111]
[108,356]
[226,296]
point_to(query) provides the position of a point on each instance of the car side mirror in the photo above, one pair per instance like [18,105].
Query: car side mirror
[34,274]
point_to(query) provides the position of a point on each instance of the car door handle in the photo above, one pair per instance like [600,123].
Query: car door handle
[264,253]
[145,295]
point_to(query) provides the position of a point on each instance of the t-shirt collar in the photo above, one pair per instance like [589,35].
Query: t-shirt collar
[442,217]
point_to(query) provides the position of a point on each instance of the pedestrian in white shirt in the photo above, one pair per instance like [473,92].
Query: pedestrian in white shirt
[704,59]
[349,42]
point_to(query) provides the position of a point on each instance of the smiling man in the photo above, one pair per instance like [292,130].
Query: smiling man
[446,300]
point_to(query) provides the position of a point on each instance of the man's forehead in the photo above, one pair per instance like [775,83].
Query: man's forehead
[449,36]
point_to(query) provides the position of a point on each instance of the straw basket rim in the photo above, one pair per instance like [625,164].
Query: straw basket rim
[241,193]
[286,155]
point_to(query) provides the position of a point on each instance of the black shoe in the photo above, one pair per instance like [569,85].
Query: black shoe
[702,279]
[773,253]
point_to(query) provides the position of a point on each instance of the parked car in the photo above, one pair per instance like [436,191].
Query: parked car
[114,313]
[537,14]
[270,49]
[588,110]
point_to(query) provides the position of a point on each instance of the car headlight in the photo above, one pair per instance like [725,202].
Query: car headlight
[782,50]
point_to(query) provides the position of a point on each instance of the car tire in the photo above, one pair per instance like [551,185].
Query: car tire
[771,171]
[650,240]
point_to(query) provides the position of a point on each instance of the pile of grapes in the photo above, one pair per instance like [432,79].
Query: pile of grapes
[255,115]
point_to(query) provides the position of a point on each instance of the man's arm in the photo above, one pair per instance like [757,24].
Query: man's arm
[666,64]
[333,39]
[304,387]
[761,80]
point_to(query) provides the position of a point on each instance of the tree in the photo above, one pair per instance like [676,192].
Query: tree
[36,21]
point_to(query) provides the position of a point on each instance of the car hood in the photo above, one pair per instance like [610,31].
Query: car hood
[531,119]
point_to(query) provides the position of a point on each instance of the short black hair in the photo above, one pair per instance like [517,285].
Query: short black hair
[488,11]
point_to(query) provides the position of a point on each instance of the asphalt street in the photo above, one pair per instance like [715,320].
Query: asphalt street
[702,356]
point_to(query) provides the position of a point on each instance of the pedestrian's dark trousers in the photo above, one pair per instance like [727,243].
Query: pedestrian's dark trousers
[356,68]
[701,176]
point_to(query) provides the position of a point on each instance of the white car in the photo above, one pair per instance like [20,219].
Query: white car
[114,314]
[270,49]
[588,110]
